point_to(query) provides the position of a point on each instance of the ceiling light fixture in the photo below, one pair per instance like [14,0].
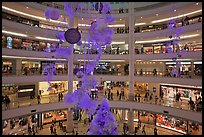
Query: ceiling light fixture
[6,56]
[14,33]
[117,25]
[50,39]
[174,10]
[29,15]
[197,3]
[138,24]
[176,17]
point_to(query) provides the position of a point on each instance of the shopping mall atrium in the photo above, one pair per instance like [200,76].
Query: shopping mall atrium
[102,68]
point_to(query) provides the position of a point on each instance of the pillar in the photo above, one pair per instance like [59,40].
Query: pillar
[131,50]
[16,66]
[178,64]
[123,114]
[36,89]
[192,69]
[130,121]
[70,60]
[70,123]
[187,126]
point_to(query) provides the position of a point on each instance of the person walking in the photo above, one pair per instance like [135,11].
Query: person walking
[191,104]
[7,102]
[143,130]
[38,98]
[59,97]
[51,129]
[136,129]
[155,131]
[117,93]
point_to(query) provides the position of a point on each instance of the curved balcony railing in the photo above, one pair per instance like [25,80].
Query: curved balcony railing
[117,30]
[54,98]
[33,72]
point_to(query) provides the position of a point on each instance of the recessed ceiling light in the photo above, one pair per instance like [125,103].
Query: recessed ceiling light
[82,18]
[26,32]
[120,19]
[197,3]
[141,17]
[174,10]
[157,14]
[27,7]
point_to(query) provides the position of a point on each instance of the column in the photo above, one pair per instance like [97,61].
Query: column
[123,114]
[130,121]
[192,69]
[70,123]
[70,61]
[131,45]
[16,66]
[36,89]
[187,126]
[178,64]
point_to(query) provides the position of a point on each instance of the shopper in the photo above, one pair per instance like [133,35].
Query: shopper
[150,97]
[143,130]
[186,20]
[59,97]
[51,129]
[136,129]
[139,98]
[161,97]
[155,131]
[7,102]
[117,93]
[38,98]
[55,131]
[156,98]
[136,97]
[148,120]
[145,99]
[191,104]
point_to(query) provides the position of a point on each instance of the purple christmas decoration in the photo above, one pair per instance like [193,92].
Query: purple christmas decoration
[103,122]
[54,14]
[99,34]
[109,19]
[68,10]
[72,35]
[63,52]
[47,13]
[106,8]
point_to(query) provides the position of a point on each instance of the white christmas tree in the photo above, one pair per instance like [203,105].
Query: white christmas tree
[103,122]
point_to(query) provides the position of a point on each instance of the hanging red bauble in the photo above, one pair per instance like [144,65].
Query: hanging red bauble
[72,36]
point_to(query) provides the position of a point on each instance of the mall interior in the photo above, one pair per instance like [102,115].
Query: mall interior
[150,72]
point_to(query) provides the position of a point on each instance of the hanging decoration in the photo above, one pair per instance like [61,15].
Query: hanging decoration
[103,122]
[72,36]
[96,36]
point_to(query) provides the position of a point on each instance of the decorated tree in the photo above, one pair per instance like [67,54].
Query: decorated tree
[103,122]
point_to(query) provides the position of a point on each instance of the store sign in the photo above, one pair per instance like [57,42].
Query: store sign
[154,89]
[9,42]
